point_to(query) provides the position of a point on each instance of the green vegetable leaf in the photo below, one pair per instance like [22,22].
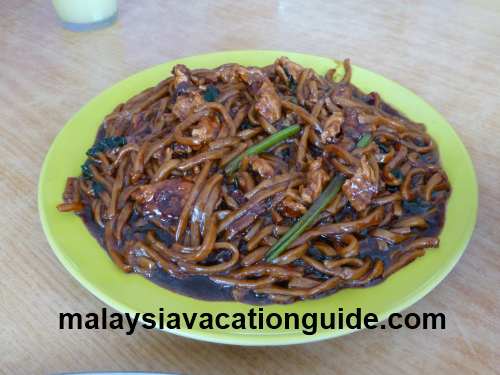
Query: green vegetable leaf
[211,93]
[106,144]
[292,85]
[97,188]
[86,172]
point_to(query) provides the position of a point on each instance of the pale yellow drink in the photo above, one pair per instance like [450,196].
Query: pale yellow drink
[82,15]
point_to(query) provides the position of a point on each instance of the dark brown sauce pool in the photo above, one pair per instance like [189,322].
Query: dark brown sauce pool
[200,287]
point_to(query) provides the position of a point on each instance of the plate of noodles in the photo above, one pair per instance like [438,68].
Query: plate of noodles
[258,179]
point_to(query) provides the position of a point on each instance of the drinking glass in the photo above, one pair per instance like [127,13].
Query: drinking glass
[84,15]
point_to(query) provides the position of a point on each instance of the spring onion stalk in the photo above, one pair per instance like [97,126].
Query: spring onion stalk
[262,146]
[364,141]
[313,212]
[307,219]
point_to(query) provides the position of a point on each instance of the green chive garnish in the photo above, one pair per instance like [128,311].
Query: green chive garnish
[364,141]
[262,146]
[307,219]
[313,212]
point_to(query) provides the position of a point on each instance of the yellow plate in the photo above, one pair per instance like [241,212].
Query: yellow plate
[79,252]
